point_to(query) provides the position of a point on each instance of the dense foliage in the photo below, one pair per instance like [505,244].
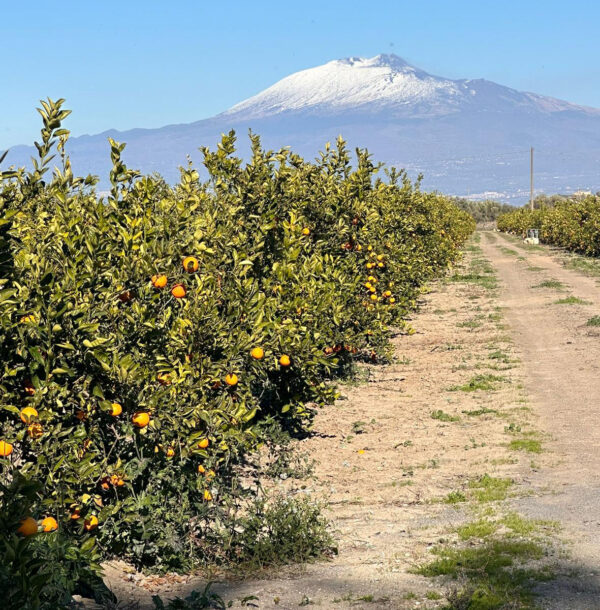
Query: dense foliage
[573,224]
[150,337]
[483,211]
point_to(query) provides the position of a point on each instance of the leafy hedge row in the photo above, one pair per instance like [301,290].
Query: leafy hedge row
[571,224]
[150,336]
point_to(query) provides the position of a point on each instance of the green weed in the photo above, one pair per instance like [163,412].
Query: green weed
[572,301]
[441,416]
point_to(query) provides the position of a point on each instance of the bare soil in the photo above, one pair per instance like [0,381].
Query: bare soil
[384,465]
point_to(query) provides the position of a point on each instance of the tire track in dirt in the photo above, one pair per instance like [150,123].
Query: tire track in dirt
[561,365]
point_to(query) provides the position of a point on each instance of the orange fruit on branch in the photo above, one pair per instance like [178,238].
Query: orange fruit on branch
[141,419]
[159,281]
[285,360]
[5,449]
[49,524]
[178,291]
[258,353]
[28,527]
[116,409]
[190,264]
[231,379]
[306,231]
[203,443]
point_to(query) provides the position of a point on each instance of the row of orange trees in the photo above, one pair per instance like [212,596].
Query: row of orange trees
[572,224]
[150,336]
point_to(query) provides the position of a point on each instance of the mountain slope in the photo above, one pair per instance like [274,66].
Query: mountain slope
[387,83]
[466,136]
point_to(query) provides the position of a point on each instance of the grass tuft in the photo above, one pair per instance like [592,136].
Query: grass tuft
[480,382]
[442,416]
[554,284]
[526,444]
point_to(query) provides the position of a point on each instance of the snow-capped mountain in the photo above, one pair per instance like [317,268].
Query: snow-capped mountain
[386,83]
[465,136]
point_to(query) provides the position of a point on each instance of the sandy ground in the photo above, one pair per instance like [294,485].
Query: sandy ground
[561,365]
[383,478]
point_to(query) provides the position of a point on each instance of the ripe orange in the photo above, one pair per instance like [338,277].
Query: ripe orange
[170,452]
[231,379]
[116,409]
[28,319]
[392,300]
[380,257]
[75,514]
[105,483]
[190,264]
[306,231]
[373,297]
[328,350]
[372,279]
[178,291]
[159,281]
[201,469]
[49,524]
[285,360]
[91,523]
[370,248]
[387,293]
[372,289]
[207,495]
[358,247]
[5,449]
[120,482]
[141,419]
[28,527]
[203,443]
[35,430]
[380,265]
[258,353]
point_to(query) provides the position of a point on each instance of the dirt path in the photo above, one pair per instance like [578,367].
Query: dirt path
[561,361]
[400,459]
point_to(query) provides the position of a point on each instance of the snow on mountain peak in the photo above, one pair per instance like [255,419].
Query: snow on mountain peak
[352,83]
[386,84]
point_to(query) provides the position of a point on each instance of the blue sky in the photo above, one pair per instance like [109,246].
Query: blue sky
[145,64]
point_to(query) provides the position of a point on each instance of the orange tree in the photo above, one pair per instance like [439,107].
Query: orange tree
[571,224]
[151,336]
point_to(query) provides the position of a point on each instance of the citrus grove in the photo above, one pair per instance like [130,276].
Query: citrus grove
[153,338]
[571,224]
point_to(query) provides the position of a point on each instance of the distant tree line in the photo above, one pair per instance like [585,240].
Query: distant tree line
[487,211]
[483,211]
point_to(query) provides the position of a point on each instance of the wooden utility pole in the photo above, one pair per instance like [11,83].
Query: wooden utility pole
[531,180]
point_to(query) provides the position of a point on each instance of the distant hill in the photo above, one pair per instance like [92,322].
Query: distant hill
[468,137]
